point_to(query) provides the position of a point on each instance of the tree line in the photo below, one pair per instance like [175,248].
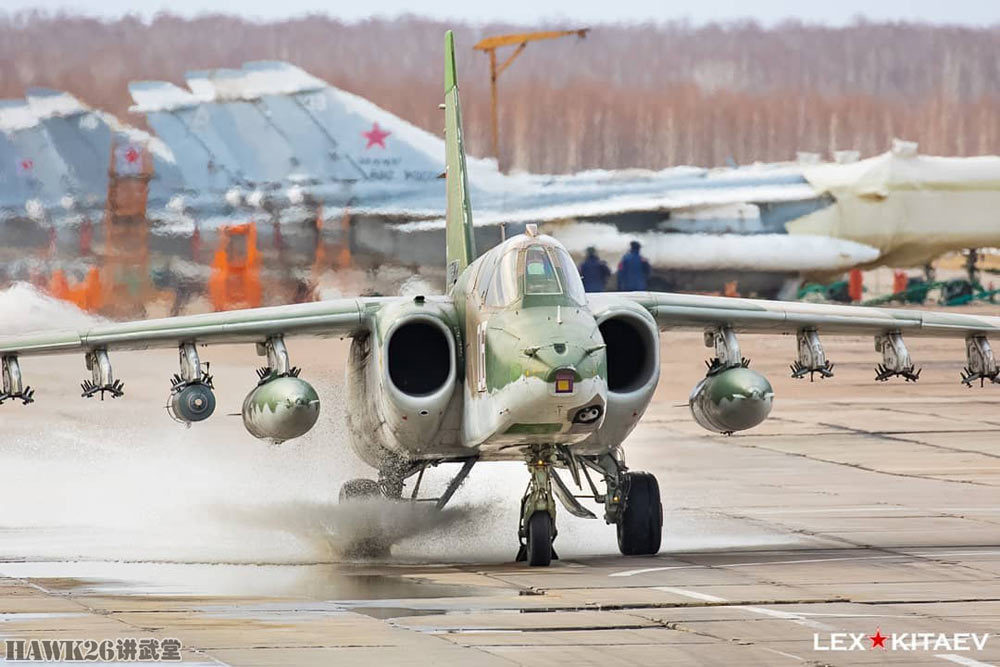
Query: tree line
[641,95]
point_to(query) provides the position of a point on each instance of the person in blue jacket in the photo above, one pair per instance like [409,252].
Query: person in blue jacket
[594,271]
[633,270]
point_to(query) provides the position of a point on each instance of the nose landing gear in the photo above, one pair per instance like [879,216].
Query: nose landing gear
[537,529]
[631,502]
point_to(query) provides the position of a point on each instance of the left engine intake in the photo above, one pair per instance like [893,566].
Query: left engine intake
[280,409]
[731,400]
[420,375]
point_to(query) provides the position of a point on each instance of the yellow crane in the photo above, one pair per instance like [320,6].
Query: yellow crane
[490,46]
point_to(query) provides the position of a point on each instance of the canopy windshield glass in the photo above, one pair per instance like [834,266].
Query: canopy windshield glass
[538,270]
[503,289]
[540,275]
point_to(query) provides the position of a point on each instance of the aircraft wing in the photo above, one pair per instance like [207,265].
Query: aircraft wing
[690,311]
[335,318]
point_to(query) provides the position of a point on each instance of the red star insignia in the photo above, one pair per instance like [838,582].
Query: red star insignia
[375,136]
[26,165]
[131,155]
[877,639]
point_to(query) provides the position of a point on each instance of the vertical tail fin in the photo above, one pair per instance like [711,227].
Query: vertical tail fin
[461,244]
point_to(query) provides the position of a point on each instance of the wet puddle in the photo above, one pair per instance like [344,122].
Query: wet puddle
[346,586]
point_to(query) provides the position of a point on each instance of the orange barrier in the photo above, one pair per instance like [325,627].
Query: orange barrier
[899,280]
[855,285]
[87,295]
[235,279]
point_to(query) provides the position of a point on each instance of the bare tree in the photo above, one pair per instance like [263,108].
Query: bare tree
[649,95]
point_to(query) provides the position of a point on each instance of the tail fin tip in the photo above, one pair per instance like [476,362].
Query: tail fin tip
[450,73]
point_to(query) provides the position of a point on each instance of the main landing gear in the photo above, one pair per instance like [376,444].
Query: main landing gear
[631,499]
[390,486]
[631,502]
[640,524]
[359,489]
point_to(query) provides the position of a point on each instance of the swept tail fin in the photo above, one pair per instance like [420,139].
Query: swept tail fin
[461,244]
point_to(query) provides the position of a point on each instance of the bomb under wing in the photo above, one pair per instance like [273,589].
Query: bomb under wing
[280,409]
[282,406]
[733,399]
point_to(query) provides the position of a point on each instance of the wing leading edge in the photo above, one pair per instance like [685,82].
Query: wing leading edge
[335,318]
[695,312]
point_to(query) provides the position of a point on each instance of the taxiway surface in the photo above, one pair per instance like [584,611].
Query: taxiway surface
[858,507]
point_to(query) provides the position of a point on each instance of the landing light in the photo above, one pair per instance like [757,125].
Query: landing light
[564,382]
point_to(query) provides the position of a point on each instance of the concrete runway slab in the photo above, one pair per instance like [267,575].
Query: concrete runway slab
[858,508]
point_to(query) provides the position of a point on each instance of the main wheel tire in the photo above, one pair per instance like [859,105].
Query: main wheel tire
[540,539]
[359,489]
[640,528]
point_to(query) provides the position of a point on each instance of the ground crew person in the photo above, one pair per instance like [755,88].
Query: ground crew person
[594,271]
[633,270]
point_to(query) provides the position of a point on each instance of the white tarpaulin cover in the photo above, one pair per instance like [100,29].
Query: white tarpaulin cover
[782,253]
[911,207]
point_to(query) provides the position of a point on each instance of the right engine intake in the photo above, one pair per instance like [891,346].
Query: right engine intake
[731,400]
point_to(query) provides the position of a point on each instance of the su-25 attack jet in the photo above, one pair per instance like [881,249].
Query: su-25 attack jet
[514,362]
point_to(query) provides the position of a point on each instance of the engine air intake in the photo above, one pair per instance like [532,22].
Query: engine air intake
[631,357]
[419,358]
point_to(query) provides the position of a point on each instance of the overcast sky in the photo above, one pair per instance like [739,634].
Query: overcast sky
[966,12]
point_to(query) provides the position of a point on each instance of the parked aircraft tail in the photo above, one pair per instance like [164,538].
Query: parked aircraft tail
[459,234]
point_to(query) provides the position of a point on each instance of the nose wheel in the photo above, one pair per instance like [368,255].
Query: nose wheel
[538,550]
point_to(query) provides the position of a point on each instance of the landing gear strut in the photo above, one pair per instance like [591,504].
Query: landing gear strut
[392,475]
[537,529]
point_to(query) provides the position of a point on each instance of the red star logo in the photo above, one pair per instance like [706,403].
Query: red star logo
[131,155]
[375,136]
[877,639]
[27,165]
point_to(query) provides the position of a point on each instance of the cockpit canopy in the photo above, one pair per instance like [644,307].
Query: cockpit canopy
[537,270]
